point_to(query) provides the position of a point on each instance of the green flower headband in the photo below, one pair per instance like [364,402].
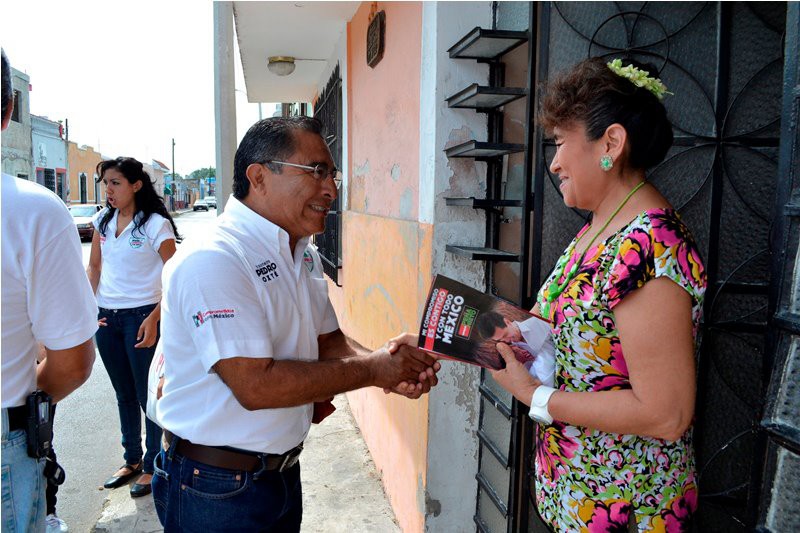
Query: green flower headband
[640,78]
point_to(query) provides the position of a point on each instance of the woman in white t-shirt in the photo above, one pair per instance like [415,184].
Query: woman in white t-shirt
[134,236]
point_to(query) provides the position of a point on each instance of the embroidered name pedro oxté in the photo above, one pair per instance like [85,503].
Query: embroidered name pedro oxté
[267,271]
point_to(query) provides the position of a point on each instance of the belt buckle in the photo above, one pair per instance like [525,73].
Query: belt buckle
[292,456]
[263,470]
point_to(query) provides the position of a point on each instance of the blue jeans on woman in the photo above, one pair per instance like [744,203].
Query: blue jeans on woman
[128,369]
[193,497]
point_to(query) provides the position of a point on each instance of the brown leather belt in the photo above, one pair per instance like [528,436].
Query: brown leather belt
[235,460]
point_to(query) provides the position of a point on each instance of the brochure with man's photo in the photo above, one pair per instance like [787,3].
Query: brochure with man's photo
[465,324]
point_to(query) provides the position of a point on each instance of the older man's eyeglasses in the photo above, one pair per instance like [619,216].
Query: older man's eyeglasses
[320,171]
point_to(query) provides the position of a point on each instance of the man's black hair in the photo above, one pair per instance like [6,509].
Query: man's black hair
[271,139]
[8,93]
[487,322]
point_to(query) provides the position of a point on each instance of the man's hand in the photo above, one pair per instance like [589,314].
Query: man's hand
[388,369]
[427,379]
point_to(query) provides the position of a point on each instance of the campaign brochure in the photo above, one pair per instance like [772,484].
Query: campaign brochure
[465,324]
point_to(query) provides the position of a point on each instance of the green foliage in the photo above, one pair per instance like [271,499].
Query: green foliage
[203,173]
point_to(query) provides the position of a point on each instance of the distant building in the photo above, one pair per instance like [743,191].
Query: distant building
[16,142]
[82,165]
[50,155]
[159,170]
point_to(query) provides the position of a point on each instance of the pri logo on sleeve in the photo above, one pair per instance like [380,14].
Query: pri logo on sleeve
[201,317]
[308,261]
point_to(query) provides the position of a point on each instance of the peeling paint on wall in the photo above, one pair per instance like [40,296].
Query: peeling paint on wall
[362,170]
[411,242]
[432,507]
[407,203]
[463,171]
[395,172]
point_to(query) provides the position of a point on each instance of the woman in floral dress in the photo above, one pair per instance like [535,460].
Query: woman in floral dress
[614,444]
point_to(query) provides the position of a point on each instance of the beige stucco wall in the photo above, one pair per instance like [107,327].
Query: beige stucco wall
[83,159]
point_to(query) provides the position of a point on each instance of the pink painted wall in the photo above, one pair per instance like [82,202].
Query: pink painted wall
[386,251]
[384,113]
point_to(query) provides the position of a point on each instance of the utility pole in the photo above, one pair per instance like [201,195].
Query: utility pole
[66,163]
[174,181]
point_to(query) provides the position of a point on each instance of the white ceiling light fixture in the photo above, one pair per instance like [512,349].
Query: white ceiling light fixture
[281,65]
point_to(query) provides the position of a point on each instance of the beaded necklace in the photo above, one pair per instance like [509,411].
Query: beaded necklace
[554,290]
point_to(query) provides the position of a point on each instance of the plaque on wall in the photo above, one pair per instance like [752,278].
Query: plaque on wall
[375,38]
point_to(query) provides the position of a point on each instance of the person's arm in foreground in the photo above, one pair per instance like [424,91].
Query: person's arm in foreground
[269,383]
[148,330]
[655,330]
[63,371]
[95,262]
[64,315]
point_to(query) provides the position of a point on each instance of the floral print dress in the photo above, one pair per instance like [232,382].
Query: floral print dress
[589,480]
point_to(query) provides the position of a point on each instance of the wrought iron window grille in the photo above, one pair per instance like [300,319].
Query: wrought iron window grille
[328,111]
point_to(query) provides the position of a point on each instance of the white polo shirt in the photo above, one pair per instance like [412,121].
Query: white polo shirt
[239,292]
[131,272]
[46,296]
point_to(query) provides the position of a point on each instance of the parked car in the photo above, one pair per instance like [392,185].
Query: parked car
[211,201]
[82,215]
[200,205]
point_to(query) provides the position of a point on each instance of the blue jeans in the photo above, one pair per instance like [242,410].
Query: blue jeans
[127,368]
[23,484]
[195,497]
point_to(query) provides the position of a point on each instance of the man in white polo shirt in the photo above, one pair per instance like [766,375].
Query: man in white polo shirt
[251,340]
[46,299]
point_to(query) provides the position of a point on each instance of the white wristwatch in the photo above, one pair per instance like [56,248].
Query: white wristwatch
[539,412]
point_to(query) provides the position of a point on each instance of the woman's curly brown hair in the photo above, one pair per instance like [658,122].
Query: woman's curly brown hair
[592,95]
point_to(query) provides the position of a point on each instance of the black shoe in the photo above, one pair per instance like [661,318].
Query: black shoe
[117,481]
[140,489]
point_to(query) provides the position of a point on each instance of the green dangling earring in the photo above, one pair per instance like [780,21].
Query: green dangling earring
[606,163]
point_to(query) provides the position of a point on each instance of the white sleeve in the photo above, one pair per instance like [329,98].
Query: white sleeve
[97,217]
[61,304]
[161,232]
[535,331]
[329,322]
[220,306]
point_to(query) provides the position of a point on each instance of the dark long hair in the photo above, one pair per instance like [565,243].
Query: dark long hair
[146,198]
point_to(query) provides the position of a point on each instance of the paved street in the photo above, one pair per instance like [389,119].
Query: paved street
[87,425]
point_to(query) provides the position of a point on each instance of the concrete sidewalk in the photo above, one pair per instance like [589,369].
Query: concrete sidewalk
[342,491]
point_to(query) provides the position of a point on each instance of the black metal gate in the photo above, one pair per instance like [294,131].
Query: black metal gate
[328,110]
[780,438]
[725,63]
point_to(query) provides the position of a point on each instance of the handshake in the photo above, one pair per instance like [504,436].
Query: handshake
[402,368]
